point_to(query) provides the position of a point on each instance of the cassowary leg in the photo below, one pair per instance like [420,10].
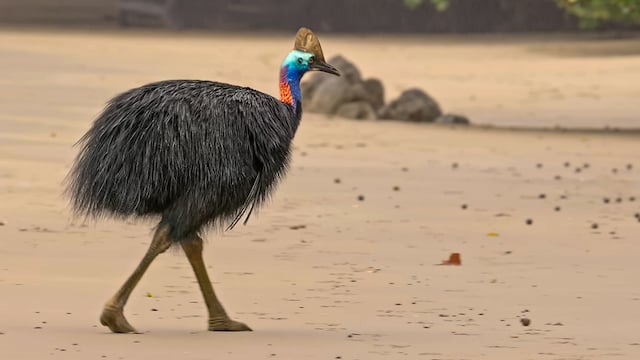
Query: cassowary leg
[112,314]
[218,318]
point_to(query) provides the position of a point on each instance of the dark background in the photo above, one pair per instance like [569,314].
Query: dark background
[343,16]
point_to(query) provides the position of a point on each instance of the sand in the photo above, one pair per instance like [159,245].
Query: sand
[319,274]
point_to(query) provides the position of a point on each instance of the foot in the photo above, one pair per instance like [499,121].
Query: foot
[227,325]
[115,320]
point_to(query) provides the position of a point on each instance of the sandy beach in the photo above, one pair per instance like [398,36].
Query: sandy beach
[544,221]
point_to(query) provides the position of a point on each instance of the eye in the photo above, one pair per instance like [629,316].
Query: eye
[311,60]
[300,61]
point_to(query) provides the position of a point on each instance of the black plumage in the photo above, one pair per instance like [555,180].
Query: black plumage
[190,151]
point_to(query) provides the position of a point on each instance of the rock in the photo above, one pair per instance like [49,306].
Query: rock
[329,95]
[357,92]
[356,110]
[412,105]
[347,69]
[375,92]
[308,88]
[348,72]
[352,97]
[453,119]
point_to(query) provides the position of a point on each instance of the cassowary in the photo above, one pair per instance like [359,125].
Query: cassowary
[195,154]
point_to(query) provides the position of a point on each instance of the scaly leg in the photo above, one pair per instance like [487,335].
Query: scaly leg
[112,314]
[218,318]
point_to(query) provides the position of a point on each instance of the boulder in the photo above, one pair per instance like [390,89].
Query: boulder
[347,69]
[375,92]
[357,110]
[308,88]
[412,105]
[352,97]
[348,72]
[325,93]
[453,119]
[329,95]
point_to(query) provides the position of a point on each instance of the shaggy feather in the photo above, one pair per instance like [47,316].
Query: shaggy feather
[196,153]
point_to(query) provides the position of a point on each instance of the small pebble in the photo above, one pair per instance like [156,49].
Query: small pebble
[558,177]
[614,170]
[525,321]
[594,226]
[632,198]
[360,197]
[618,200]
[464,206]
[529,221]
[578,170]
[396,188]
[337,180]
[629,166]
[539,165]
[542,196]
[585,165]
[557,208]
[567,164]
[606,200]
[454,165]
[405,169]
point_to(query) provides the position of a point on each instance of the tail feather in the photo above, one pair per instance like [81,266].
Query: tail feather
[251,200]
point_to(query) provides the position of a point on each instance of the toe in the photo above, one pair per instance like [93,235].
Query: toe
[116,322]
[228,325]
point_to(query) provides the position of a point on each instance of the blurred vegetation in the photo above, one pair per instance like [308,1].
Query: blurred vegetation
[591,13]
[441,5]
[595,12]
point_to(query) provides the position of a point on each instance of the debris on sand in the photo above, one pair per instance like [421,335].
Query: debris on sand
[454,259]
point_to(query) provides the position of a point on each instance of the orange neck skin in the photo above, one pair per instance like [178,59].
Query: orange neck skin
[285,93]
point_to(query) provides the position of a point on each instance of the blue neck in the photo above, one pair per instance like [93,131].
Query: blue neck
[290,77]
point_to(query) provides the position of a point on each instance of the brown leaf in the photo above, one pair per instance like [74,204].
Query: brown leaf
[454,259]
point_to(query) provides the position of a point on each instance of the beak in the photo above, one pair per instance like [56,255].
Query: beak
[323,66]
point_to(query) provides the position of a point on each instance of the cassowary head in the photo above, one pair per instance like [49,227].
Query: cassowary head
[307,55]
